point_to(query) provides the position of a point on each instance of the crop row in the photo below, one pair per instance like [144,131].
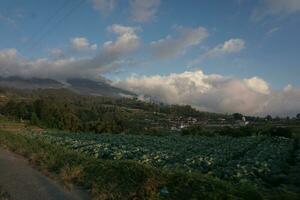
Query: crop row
[225,157]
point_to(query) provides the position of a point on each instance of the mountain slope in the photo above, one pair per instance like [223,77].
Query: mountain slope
[98,88]
[78,85]
[30,83]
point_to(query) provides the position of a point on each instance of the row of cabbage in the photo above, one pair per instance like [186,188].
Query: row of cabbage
[267,160]
[225,157]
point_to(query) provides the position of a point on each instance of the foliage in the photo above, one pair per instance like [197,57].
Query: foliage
[64,110]
[122,179]
[196,130]
[230,158]
[237,116]
[243,131]
[277,131]
[4,195]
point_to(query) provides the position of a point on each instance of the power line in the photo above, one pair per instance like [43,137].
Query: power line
[49,31]
[48,22]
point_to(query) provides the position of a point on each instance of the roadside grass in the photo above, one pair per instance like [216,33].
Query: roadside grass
[124,179]
[4,195]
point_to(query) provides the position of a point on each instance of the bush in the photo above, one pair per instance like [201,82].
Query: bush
[236,132]
[277,131]
[196,130]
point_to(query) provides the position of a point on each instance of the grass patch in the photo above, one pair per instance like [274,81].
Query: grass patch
[3,195]
[123,179]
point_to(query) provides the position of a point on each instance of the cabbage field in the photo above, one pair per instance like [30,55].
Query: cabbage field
[230,158]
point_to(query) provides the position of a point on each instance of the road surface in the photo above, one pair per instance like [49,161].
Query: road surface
[22,182]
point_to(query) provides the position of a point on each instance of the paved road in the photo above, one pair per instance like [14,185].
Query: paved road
[23,182]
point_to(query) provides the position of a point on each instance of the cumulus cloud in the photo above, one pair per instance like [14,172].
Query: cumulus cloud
[8,54]
[275,7]
[231,46]
[81,43]
[216,93]
[111,56]
[104,6]
[143,10]
[258,85]
[172,46]
[128,40]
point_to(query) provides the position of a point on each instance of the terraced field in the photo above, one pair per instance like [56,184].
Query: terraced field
[255,158]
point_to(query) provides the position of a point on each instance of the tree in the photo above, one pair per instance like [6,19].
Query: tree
[269,118]
[237,116]
[298,116]
[34,120]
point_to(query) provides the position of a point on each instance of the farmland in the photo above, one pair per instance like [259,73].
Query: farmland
[164,167]
[260,159]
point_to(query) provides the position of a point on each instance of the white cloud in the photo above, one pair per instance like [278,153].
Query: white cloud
[172,46]
[275,7]
[8,54]
[231,46]
[144,10]
[216,93]
[284,103]
[258,85]
[104,6]
[56,53]
[81,43]
[273,30]
[8,20]
[111,56]
[228,47]
[127,39]
[94,47]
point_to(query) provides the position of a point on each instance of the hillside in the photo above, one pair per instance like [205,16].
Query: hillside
[99,87]
[67,110]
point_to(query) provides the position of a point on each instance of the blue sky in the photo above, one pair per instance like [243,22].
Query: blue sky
[37,27]
[118,38]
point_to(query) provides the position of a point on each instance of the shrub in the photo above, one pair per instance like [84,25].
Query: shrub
[196,130]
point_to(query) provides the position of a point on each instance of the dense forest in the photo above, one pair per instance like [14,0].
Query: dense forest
[65,110]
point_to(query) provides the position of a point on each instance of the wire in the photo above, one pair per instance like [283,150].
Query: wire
[48,22]
[49,31]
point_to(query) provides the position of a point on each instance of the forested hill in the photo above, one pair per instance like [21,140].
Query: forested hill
[67,110]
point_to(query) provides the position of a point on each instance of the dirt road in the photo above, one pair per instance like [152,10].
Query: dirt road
[22,182]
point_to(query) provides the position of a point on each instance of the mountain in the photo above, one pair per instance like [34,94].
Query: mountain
[30,83]
[101,87]
[98,88]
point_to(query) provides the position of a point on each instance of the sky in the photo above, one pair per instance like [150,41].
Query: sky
[219,56]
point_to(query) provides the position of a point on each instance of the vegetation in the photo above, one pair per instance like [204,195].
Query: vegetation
[4,195]
[125,179]
[223,157]
[241,131]
[139,153]
[65,110]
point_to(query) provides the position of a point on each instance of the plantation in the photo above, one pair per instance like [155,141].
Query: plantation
[260,159]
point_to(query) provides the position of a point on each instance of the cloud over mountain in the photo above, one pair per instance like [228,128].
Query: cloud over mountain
[109,57]
[216,93]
